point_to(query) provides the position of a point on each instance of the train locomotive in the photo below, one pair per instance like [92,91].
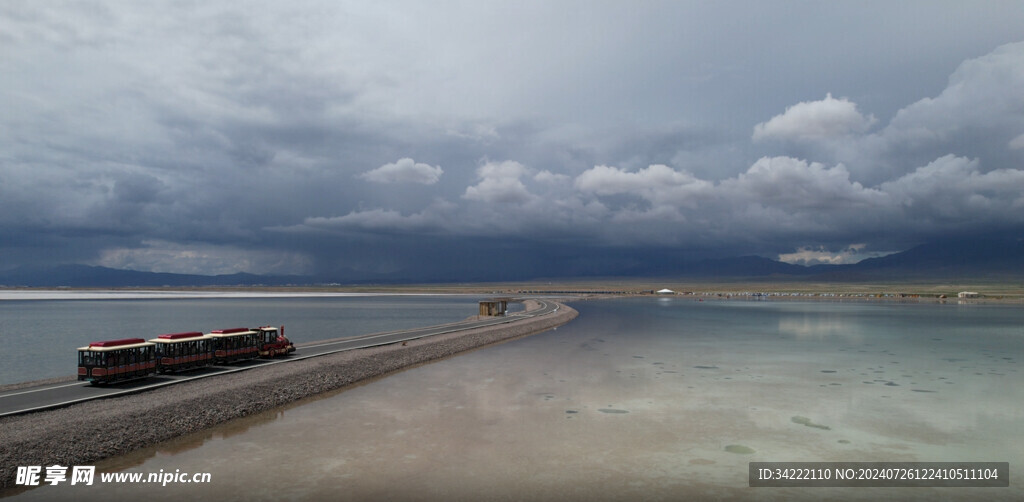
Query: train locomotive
[113,361]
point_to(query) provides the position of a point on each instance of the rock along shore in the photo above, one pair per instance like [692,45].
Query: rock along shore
[84,433]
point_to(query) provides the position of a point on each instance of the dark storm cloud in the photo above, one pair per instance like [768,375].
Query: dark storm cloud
[435,140]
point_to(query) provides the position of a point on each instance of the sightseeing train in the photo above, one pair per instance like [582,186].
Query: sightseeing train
[130,358]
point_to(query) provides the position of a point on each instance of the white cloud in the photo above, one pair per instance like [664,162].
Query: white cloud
[405,170]
[829,118]
[506,169]
[954,190]
[658,184]
[789,183]
[821,256]
[499,183]
[982,93]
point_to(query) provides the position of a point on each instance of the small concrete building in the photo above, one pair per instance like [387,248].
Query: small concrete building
[967,294]
[494,307]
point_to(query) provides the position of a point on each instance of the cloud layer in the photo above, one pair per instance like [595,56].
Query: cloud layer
[827,119]
[574,136]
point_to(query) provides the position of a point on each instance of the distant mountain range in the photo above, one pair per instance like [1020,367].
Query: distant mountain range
[982,259]
[85,276]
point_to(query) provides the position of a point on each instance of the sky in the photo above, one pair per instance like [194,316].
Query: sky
[481,140]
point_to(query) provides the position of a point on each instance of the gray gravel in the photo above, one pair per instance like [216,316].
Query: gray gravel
[84,433]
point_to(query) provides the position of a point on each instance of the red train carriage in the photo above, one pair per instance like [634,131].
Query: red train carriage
[235,344]
[129,358]
[273,343]
[116,360]
[183,351]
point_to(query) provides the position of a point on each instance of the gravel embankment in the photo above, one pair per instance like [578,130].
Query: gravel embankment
[83,433]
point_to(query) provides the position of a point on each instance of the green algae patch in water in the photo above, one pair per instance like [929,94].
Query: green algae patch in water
[739,449]
[807,422]
[611,410]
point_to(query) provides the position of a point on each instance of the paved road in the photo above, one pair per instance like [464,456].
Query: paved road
[56,395]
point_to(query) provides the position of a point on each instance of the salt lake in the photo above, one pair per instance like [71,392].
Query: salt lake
[640,398]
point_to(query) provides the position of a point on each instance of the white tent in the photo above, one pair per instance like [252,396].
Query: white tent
[666,292]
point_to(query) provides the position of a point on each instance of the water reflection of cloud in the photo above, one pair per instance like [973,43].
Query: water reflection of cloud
[819,327]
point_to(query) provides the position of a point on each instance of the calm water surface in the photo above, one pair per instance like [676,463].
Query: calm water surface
[47,332]
[638,399]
